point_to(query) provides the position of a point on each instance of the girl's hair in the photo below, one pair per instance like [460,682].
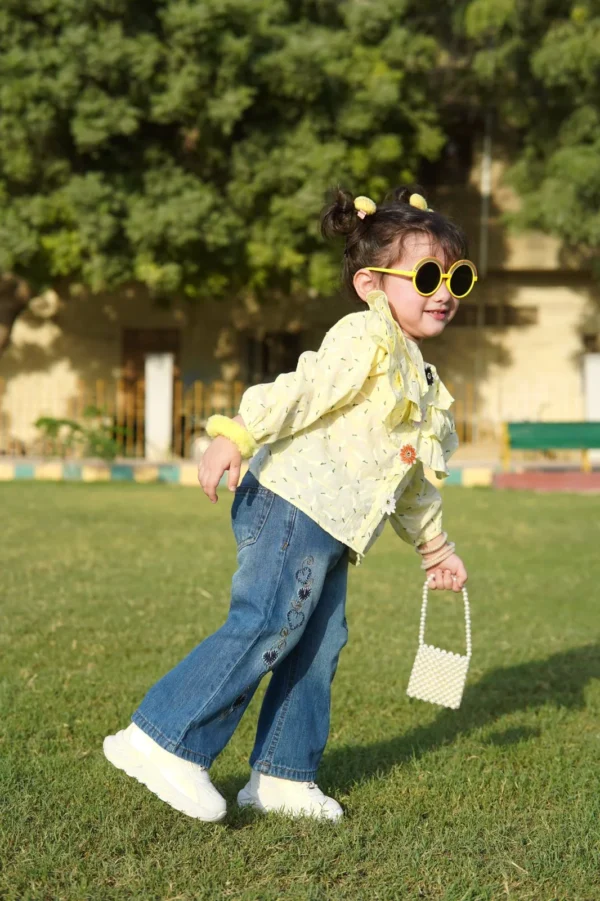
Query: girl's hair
[378,239]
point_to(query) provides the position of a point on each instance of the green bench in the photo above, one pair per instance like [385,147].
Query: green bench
[542,436]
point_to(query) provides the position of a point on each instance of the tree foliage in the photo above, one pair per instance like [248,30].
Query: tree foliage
[188,144]
[537,66]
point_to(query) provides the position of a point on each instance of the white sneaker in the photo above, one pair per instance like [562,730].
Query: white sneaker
[270,793]
[184,785]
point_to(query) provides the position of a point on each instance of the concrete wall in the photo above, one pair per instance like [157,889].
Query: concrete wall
[526,371]
[49,358]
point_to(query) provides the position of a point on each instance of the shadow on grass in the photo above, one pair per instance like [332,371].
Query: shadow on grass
[559,680]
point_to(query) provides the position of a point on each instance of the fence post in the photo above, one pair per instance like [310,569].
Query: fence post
[586,465]
[238,391]
[198,400]
[139,418]
[2,434]
[177,411]
[505,447]
[188,412]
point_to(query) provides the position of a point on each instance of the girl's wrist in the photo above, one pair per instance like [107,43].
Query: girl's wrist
[235,431]
[432,560]
[437,550]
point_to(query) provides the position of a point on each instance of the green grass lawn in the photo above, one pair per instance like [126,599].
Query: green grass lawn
[105,587]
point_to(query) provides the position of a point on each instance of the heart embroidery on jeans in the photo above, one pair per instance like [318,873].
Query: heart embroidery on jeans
[270,657]
[303,575]
[295,618]
[304,593]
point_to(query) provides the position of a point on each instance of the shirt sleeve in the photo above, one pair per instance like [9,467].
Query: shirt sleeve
[418,514]
[324,381]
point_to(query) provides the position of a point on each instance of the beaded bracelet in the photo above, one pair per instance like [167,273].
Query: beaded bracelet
[439,557]
[241,437]
[442,552]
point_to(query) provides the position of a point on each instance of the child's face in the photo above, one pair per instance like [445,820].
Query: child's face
[418,317]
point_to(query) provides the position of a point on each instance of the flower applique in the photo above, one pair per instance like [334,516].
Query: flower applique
[408,454]
[389,506]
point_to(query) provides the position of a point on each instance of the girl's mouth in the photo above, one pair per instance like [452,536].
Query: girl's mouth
[440,315]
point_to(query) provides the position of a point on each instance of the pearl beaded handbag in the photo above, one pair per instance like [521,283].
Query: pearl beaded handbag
[439,676]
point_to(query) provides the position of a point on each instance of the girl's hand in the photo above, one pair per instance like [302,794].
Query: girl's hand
[220,456]
[451,575]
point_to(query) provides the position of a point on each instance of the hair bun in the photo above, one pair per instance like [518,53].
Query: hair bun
[340,218]
[413,195]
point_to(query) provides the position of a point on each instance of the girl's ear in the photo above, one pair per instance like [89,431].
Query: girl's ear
[365,282]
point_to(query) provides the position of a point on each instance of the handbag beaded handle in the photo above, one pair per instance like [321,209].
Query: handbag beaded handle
[424,615]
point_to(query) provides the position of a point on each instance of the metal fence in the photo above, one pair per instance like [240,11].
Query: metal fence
[464,410]
[118,408]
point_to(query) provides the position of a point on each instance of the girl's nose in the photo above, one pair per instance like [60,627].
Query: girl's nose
[442,295]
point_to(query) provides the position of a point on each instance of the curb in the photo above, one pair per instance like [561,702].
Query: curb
[566,481]
[179,473]
[184,473]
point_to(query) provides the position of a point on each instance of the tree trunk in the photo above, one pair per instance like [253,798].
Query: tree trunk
[15,294]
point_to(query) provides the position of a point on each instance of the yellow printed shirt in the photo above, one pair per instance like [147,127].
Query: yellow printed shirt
[345,437]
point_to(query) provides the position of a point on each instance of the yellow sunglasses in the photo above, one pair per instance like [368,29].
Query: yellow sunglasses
[428,275]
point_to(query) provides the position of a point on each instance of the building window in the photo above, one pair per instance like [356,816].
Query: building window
[269,356]
[494,315]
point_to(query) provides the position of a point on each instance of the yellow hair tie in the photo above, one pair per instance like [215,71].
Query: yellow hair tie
[241,437]
[364,206]
[419,202]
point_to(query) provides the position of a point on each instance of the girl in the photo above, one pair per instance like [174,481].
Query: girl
[337,448]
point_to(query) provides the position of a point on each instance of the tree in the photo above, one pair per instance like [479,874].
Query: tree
[537,65]
[188,144]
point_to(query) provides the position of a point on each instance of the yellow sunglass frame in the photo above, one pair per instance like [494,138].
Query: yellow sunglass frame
[413,273]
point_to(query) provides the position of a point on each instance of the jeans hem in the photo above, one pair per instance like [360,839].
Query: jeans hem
[167,744]
[283,772]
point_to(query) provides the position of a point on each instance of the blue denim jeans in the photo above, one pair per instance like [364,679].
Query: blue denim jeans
[287,617]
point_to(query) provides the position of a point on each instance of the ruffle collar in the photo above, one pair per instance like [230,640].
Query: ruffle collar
[411,396]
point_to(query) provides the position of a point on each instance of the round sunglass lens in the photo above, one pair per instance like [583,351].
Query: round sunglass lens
[428,278]
[461,281]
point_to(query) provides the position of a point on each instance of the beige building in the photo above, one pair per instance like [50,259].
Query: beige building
[514,352]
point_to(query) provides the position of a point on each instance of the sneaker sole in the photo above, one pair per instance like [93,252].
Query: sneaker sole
[245,799]
[134,764]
